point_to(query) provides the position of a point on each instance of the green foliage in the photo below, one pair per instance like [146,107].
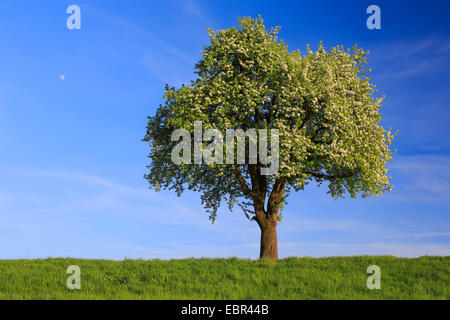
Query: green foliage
[291,278]
[321,102]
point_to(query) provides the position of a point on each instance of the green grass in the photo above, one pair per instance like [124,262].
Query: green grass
[291,278]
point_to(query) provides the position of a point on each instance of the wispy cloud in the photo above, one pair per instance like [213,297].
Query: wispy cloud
[7,86]
[79,200]
[427,178]
[92,180]
[250,249]
[190,6]
[374,248]
[295,224]
[412,58]
[193,9]
[50,202]
[164,60]
[421,235]
[137,32]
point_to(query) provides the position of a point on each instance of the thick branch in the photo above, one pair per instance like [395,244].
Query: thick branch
[276,195]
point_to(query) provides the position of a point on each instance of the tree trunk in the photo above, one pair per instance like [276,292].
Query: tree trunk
[269,241]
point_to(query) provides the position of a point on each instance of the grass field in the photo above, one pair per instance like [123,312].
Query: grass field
[291,278]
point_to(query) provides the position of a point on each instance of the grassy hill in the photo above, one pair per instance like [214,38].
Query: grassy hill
[291,278]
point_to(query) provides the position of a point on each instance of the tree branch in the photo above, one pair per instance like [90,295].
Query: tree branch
[277,194]
[329,177]
[243,184]
[308,118]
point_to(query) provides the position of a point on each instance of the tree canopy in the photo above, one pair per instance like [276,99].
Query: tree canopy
[322,102]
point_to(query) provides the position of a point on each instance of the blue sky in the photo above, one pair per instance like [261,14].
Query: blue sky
[72,161]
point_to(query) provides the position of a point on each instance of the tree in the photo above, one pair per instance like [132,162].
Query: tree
[322,103]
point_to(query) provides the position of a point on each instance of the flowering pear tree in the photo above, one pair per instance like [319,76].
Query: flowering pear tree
[322,104]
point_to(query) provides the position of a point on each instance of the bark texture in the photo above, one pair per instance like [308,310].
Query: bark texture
[269,241]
